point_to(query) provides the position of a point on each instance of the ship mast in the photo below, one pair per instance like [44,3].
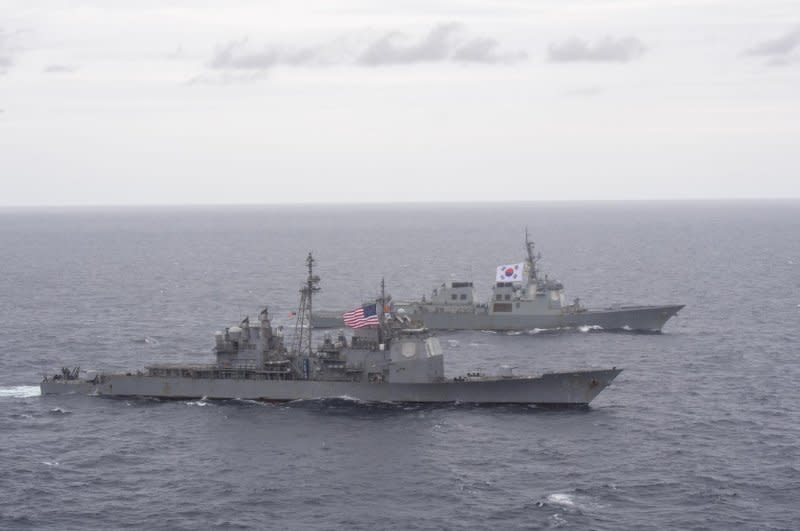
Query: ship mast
[304,311]
[529,246]
[380,311]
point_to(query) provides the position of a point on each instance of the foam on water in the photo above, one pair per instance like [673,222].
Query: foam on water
[20,391]
[560,498]
[202,402]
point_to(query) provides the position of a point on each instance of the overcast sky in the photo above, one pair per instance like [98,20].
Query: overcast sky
[159,102]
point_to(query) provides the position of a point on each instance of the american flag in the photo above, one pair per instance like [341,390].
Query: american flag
[361,317]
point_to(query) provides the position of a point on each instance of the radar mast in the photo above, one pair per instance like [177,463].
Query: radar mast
[302,338]
[533,260]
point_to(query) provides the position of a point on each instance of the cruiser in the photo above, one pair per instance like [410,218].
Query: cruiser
[395,361]
[522,299]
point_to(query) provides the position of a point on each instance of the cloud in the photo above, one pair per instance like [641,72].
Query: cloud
[6,59]
[58,69]
[608,49]
[443,43]
[780,50]
[236,56]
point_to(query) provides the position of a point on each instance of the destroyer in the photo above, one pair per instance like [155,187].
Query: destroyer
[393,361]
[522,299]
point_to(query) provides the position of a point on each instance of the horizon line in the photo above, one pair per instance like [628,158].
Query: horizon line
[395,203]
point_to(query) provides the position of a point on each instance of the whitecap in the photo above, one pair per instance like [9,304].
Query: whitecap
[51,463]
[557,520]
[513,333]
[202,402]
[20,391]
[559,498]
[589,328]
[349,398]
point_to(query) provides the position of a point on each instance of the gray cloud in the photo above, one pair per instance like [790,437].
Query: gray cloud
[5,53]
[780,50]
[783,45]
[443,43]
[393,48]
[58,69]
[608,49]
[235,56]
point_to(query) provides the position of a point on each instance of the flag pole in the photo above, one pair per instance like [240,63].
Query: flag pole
[380,311]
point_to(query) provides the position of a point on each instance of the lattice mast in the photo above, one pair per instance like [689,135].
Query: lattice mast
[302,327]
[533,259]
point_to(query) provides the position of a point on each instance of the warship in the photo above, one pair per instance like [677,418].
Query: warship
[394,361]
[522,299]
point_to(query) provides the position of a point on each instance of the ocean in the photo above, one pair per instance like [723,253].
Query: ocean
[700,431]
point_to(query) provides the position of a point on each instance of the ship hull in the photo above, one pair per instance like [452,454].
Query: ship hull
[638,318]
[552,389]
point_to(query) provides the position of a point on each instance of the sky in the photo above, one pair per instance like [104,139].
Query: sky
[253,102]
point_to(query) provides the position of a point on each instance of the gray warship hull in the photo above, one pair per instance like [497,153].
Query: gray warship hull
[634,318]
[549,389]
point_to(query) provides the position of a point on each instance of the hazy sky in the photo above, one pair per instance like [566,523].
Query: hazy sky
[105,102]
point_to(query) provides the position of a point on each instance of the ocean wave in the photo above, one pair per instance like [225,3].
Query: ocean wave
[348,398]
[589,328]
[562,499]
[202,402]
[20,391]
[249,402]
[535,331]
[147,340]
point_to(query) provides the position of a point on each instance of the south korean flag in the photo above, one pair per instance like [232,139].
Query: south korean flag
[510,272]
